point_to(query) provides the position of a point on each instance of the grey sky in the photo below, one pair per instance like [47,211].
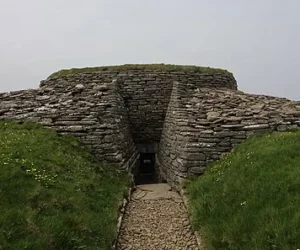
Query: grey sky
[258,40]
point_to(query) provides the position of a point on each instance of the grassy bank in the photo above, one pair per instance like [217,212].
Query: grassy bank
[53,194]
[250,199]
[163,67]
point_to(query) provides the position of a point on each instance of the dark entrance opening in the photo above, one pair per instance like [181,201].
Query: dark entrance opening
[146,173]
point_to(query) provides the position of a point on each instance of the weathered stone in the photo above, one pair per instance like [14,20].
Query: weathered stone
[103,87]
[195,156]
[213,116]
[46,121]
[256,126]
[42,98]
[197,170]
[233,126]
[33,119]
[8,105]
[193,117]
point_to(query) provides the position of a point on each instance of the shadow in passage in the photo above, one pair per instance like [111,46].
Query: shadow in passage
[146,170]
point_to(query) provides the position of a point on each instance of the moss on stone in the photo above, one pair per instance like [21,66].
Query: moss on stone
[154,67]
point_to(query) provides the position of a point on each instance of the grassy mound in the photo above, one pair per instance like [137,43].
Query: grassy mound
[53,194]
[250,199]
[164,67]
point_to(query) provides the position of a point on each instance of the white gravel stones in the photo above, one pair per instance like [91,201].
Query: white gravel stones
[156,218]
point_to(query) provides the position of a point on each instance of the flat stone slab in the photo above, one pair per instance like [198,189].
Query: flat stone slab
[155,192]
[156,218]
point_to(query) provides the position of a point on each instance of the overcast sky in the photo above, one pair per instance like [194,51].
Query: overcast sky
[258,40]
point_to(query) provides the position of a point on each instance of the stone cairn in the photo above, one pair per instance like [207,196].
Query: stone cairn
[188,119]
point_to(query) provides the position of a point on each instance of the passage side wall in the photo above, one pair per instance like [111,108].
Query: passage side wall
[95,113]
[203,123]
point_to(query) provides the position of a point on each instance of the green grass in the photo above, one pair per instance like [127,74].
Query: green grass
[164,67]
[250,199]
[53,193]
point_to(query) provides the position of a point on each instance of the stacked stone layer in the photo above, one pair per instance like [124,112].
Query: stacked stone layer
[189,119]
[203,123]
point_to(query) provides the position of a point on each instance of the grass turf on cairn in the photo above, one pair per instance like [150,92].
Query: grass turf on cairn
[53,193]
[250,199]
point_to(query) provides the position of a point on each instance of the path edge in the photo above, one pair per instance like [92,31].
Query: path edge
[183,195]
[122,209]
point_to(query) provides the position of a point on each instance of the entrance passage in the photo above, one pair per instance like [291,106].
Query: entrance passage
[161,218]
[146,173]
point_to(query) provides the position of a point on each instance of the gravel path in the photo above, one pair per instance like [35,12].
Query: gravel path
[156,218]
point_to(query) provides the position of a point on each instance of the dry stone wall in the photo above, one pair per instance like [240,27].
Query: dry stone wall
[114,113]
[146,94]
[93,112]
[203,123]
[189,119]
